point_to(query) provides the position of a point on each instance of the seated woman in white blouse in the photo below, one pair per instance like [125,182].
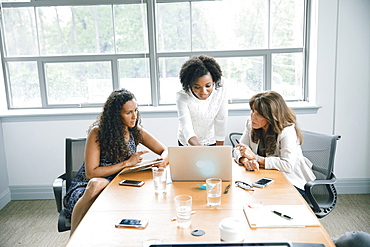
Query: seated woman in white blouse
[202,103]
[272,140]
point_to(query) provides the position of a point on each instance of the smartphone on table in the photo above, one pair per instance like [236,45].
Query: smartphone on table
[132,223]
[262,182]
[135,183]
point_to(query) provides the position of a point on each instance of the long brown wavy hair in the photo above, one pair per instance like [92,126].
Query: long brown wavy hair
[274,109]
[111,130]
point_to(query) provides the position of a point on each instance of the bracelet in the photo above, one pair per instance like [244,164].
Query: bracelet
[257,157]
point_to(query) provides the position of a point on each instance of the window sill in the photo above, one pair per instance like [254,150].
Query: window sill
[145,111]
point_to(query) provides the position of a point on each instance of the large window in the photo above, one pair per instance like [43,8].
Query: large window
[64,53]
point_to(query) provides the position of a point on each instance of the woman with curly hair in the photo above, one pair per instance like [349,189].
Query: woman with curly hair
[202,103]
[272,140]
[110,146]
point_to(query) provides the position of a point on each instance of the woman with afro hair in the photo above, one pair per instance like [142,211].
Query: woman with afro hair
[110,146]
[202,103]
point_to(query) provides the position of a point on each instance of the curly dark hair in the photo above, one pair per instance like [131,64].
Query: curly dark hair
[111,132]
[274,109]
[198,66]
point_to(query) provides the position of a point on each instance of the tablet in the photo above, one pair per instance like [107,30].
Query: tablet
[140,166]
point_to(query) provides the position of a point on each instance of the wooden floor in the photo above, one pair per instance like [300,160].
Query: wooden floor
[34,223]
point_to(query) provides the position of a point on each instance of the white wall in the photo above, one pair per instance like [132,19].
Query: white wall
[4,181]
[34,146]
[352,113]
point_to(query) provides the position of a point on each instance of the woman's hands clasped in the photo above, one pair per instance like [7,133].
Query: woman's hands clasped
[247,157]
[245,151]
[250,165]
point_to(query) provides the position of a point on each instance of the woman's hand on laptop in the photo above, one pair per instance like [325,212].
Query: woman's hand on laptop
[163,158]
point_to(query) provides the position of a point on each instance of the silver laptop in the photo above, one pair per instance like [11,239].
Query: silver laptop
[266,244]
[196,163]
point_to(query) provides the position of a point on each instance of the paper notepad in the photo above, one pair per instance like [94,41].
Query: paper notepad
[262,216]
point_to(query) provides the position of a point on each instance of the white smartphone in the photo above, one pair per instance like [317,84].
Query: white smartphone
[135,183]
[262,182]
[132,223]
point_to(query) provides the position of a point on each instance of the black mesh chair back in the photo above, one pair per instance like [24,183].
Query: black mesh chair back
[75,149]
[320,150]
[234,137]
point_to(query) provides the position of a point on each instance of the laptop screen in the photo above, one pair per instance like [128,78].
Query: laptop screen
[281,244]
[195,163]
[265,244]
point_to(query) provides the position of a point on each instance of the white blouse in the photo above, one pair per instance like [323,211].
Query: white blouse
[287,158]
[205,119]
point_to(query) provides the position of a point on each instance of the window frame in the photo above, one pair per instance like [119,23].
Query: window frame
[153,55]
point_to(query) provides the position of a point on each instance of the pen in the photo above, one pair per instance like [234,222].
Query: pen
[282,215]
[227,189]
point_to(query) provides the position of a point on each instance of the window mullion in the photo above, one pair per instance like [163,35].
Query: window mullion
[115,77]
[153,66]
[268,24]
[268,71]
[42,81]
[114,62]
[306,48]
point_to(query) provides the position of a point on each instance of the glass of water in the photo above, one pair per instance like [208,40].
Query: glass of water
[214,187]
[183,204]
[160,179]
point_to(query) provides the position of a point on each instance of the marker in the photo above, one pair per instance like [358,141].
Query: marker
[282,215]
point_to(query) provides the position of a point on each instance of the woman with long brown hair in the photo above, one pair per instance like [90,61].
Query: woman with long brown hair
[272,140]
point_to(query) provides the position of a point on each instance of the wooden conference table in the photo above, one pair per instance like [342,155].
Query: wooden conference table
[117,202]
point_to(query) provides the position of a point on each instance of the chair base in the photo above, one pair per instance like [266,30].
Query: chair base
[64,224]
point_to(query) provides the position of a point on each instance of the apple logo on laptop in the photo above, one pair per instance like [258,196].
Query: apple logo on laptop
[206,167]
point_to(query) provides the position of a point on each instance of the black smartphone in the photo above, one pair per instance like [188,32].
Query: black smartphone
[132,223]
[128,182]
[262,182]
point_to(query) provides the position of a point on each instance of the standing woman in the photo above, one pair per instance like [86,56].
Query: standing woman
[111,146]
[202,103]
[272,140]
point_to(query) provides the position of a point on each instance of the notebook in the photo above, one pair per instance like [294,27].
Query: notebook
[264,216]
[197,163]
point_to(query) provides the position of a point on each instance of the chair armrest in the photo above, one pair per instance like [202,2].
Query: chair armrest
[57,188]
[309,185]
[318,182]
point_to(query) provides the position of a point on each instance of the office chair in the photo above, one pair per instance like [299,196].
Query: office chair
[74,158]
[320,150]
[234,137]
